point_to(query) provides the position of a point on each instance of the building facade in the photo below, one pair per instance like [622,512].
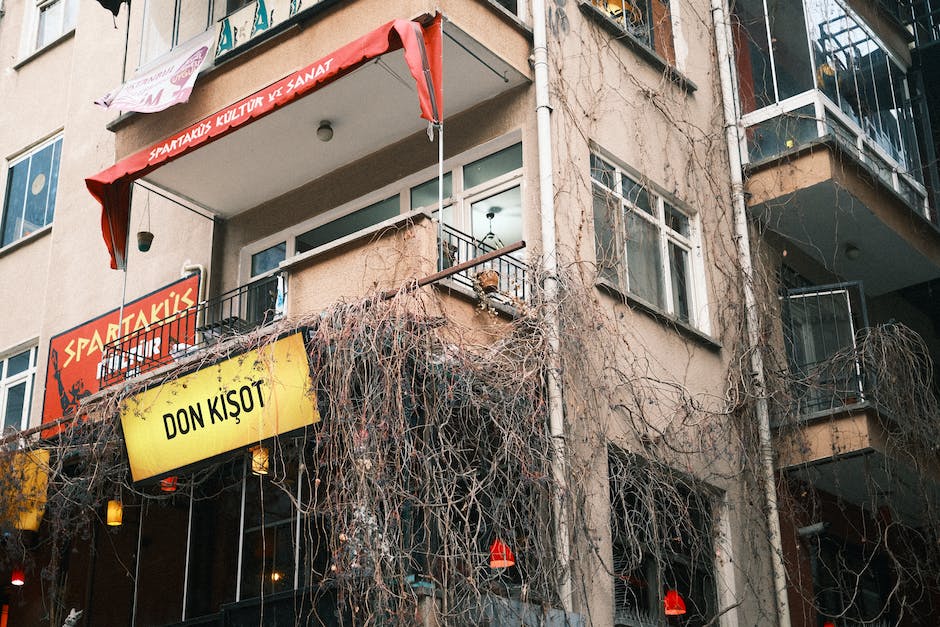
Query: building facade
[475,312]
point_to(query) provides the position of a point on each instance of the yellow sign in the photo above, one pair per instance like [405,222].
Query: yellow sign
[24,502]
[234,403]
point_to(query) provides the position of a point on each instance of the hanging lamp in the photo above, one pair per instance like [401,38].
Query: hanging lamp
[259,459]
[501,555]
[115,513]
[17,577]
[673,603]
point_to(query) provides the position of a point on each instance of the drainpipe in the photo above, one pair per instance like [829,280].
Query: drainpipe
[750,304]
[556,412]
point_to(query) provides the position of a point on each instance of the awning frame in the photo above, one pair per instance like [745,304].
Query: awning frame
[422,45]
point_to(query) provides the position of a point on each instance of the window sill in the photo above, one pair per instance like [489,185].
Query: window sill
[658,314]
[640,48]
[24,241]
[40,51]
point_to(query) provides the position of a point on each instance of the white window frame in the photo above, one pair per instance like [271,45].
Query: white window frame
[692,243]
[460,198]
[213,14]
[11,163]
[28,376]
[30,39]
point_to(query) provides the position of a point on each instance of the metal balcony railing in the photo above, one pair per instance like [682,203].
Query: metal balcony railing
[821,325]
[509,285]
[232,313]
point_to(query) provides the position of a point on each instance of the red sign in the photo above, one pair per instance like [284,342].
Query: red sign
[159,323]
[422,49]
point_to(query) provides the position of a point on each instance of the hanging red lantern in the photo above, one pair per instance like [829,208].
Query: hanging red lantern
[501,555]
[168,484]
[674,605]
[18,577]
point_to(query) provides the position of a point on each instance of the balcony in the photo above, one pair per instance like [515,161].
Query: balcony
[821,325]
[234,313]
[813,118]
[469,269]
[849,413]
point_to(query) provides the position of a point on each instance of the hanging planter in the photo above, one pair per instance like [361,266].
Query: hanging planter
[144,240]
[488,280]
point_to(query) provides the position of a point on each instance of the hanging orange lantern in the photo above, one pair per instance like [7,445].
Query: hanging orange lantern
[115,513]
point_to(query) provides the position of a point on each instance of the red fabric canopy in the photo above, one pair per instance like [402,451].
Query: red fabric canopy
[422,48]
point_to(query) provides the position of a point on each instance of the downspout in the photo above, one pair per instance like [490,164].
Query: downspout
[556,412]
[750,305]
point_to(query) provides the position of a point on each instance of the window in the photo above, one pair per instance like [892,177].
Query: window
[268,259]
[17,377]
[647,21]
[31,190]
[662,550]
[482,199]
[53,18]
[169,23]
[852,581]
[482,194]
[348,224]
[646,245]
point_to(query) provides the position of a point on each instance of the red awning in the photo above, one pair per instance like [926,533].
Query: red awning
[422,47]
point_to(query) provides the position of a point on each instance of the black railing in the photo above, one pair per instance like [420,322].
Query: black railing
[503,279]
[821,326]
[232,313]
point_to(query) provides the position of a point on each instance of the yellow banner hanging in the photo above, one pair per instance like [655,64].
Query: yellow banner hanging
[24,500]
[226,406]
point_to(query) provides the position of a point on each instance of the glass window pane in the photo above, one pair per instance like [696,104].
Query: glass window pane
[194,19]
[268,259]
[348,224]
[53,183]
[790,48]
[644,260]
[213,560]
[606,244]
[603,172]
[676,220]
[15,402]
[51,17]
[497,220]
[15,202]
[425,194]
[40,178]
[637,195]
[679,277]
[752,55]
[18,363]
[162,562]
[492,166]
[158,29]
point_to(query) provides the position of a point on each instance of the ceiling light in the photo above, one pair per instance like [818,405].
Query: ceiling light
[325,131]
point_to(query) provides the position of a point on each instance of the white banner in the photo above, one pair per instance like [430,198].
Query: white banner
[166,85]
